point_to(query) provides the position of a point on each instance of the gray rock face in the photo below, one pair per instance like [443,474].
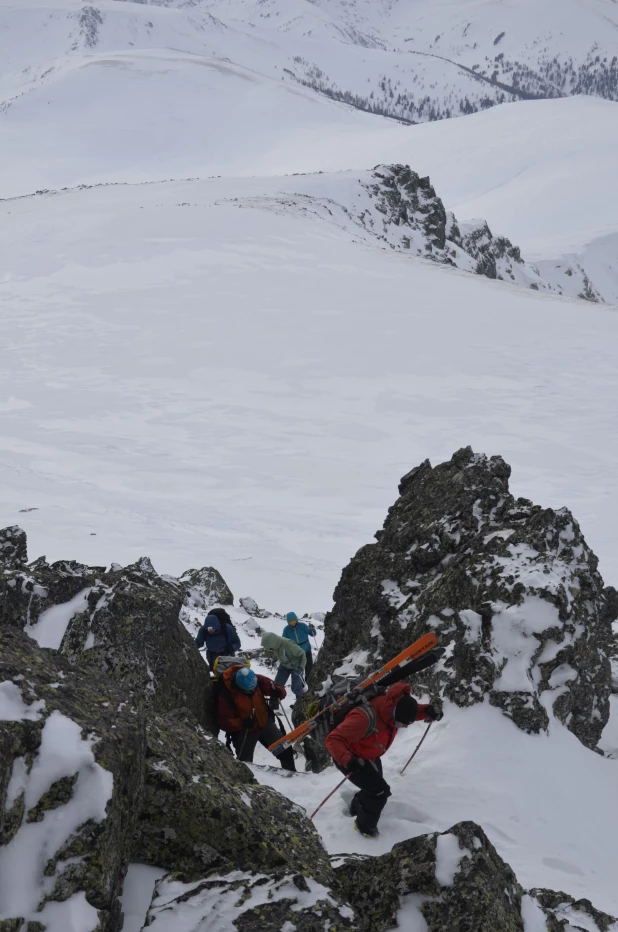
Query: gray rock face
[563,913]
[511,589]
[131,630]
[127,623]
[204,810]
[414,218]
[466,883]
[461,883]
[249,902]
[13,547]
[135,785]
[204,589]
[71,780]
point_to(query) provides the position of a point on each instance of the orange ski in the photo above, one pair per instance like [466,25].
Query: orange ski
[422,646]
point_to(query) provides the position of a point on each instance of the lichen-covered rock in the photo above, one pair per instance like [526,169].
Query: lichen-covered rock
[131,630]
[244,901]
[125,620]
[464,882]
[71,775]
[203,809]
[565,914]
[512,590]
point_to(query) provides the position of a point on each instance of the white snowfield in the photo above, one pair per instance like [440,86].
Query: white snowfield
[209,383]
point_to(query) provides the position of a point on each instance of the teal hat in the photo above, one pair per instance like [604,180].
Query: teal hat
[246,680]
[291,616]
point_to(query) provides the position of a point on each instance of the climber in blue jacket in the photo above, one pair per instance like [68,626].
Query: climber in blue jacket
[299,632]
[219,635]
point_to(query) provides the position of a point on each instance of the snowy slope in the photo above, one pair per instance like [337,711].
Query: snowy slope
[545,801]
[214,384]
[426,59]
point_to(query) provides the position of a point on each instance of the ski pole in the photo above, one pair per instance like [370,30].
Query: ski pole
[326,798]
[242,747]
[286,717]
[417,747]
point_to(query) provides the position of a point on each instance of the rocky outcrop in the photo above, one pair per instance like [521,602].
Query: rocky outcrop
[393,207]
[204,810]
[562,913]
[456,880]
[71,783]
[249,902]
[126,620]
[93,780]
[463,882]
[204,589]
[512,590]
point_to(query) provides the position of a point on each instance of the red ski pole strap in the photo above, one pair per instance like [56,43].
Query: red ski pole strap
[412,652]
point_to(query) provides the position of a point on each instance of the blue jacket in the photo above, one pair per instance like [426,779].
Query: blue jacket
[224,639]
[300,634]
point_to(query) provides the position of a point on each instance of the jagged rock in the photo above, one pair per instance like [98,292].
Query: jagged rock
[495,256]
[132,631]
[202,809]
[407,200]
[203,589]
[77,746]
[249,902]
[563,913]
[512,590]
[126,621]
[466,884]
[132,784]
[252,608]
[13,547]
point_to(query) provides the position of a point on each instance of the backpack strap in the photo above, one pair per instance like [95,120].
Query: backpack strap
[370,712]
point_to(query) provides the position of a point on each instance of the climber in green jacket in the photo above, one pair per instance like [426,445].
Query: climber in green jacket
[292,661]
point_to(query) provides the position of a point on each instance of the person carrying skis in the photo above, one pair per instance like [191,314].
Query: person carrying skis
[298,632]
[357,744]
[246,704]
[219,635]
[292,661]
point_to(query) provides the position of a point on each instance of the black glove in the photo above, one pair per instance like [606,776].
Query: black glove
[279,691]
[274,702]
[432,714]
[247,723]
[355,764]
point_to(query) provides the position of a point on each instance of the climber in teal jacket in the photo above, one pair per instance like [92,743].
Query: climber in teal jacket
[299,632]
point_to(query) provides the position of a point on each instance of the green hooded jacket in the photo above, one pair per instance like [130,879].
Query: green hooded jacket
[289,654]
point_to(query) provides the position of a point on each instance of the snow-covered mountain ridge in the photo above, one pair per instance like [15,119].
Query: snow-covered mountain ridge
[393,207]
[417,61]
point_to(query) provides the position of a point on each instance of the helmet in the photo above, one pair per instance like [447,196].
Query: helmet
[291,616]
[246,680]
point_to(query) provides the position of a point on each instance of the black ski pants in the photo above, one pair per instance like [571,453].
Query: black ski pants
[244,744]
[373,794]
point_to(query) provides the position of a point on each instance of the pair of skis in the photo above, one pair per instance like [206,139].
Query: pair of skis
[418,656]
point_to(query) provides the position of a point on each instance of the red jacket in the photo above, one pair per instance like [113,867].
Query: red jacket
[347,740]
[239,711]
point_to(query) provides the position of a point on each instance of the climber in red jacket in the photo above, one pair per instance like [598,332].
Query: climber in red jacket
[357,745]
